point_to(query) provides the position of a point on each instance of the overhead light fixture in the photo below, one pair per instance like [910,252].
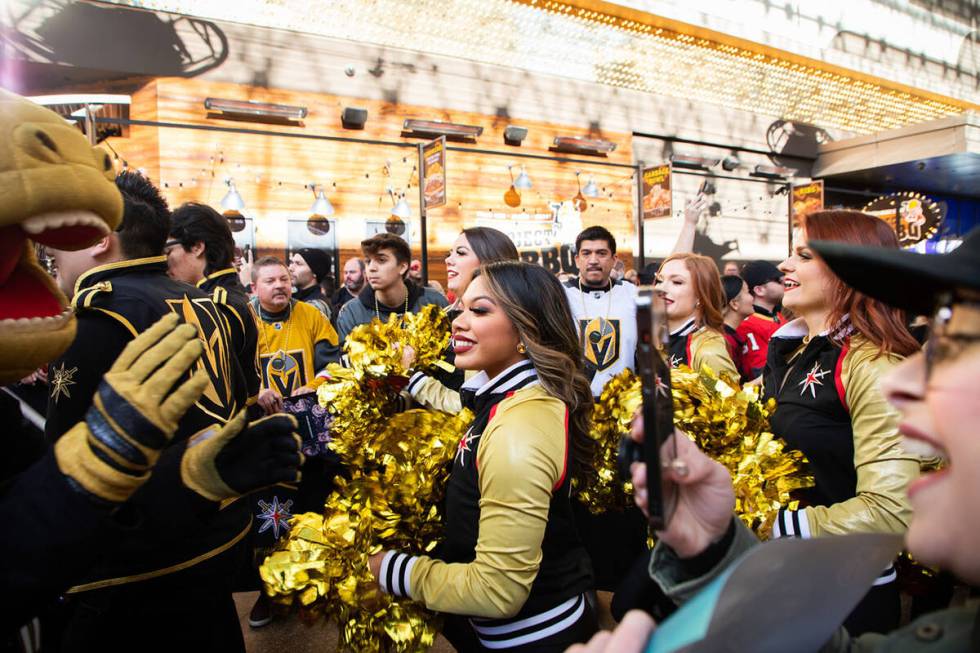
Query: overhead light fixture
[399,209]
[523,181]
[254,111]
[353,118]
[321,205]
[693,162]
[232,203]
[730,163]
[772,172]
[591,190]
[514,135]
[435,128]
[580,145]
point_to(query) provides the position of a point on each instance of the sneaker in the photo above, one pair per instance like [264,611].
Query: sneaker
[261,614]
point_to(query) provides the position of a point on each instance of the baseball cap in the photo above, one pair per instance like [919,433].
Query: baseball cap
[903,279]
[757,273]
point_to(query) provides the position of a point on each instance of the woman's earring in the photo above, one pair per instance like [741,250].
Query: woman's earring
[521,349]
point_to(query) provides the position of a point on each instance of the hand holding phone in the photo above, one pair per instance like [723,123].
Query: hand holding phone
[659,448]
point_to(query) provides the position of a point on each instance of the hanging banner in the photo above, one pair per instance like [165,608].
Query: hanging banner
[807,198]
[658,200]
[434,173]
[913,216]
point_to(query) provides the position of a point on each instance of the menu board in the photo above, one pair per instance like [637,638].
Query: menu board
[807,198]
[434,172]
[657,197]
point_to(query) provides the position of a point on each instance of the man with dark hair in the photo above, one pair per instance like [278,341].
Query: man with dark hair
[388,292]
[309,267]
[604,311]
[765,282]
[200,252]
[604,308]
[354,280]
[168,585]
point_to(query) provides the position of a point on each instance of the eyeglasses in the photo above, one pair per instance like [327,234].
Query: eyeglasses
[942,346]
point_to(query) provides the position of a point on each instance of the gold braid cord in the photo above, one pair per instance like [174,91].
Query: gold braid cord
[399,464]
[728,422]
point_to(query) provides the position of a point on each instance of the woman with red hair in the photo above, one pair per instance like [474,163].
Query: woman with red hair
[824,369]
[691,288]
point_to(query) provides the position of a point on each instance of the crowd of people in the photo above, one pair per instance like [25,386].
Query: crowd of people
[179,470]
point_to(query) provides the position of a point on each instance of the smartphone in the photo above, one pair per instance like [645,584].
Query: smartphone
[659,449]
[707,187]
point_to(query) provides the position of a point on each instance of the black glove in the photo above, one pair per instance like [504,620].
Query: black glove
[231,461]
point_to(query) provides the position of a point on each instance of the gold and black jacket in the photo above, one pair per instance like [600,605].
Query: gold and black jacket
[179,531]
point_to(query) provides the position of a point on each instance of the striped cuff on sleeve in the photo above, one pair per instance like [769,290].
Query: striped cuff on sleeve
[396,573]
[791,523]
[415,383]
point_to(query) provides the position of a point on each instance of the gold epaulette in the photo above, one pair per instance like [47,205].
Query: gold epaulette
[220,296]
[83,298]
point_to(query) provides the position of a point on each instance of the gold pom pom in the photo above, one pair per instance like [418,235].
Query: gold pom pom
[728,422]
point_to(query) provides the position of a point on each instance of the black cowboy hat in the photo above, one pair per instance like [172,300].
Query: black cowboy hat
[907,280]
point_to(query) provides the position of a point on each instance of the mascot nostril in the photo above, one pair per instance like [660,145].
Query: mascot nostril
[47,142]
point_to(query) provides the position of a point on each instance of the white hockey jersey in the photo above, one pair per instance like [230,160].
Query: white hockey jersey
[605,319]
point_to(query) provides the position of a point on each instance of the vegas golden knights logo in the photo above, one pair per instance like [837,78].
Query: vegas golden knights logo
[601,338]
[283,371]
[218,399]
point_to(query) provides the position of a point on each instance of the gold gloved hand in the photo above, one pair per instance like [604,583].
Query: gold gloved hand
[134,414]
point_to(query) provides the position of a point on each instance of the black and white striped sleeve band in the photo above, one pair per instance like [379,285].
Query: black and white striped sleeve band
[791,523]
[396,573]
[416,382]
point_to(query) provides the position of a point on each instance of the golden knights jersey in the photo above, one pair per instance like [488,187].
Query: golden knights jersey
[287,347]
[605,319]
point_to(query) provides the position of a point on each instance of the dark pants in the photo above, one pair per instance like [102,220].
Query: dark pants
[137,621]
[613,541]
[880,611]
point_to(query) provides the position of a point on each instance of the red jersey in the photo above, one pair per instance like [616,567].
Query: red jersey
[736,345]
[756,330]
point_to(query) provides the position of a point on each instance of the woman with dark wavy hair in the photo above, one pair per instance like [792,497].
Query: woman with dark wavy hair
[824,370]
[511,573]
[474,247]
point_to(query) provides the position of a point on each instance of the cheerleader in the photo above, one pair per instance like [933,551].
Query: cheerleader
[824,370]
[692,291]
[511,573]
[474,247]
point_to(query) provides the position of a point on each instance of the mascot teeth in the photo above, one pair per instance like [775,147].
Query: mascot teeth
[37,224]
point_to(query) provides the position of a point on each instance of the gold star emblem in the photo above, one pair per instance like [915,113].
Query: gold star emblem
[60,381]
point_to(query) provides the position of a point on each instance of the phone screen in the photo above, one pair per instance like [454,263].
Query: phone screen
[659,446]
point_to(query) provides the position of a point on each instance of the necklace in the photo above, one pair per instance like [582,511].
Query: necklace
[377,308]
[278,360]
[595,337]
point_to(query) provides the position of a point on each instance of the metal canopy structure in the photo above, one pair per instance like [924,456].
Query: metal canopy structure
[939,156]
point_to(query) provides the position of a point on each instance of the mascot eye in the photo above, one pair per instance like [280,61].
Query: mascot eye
[47,142]
[106,163]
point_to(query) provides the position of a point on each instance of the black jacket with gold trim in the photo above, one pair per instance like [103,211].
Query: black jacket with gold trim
[115,302]
[225,288]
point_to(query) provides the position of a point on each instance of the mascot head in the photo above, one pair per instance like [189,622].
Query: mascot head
[57,190]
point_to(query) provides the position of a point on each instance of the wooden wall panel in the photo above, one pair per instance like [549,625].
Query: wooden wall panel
[270,170]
